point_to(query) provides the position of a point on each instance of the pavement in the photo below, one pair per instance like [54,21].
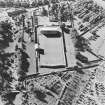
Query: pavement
[70,50]
[31,52]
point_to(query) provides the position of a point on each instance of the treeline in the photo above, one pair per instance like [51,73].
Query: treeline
[5,34]
[10,63]
[5,39]
[29,5]
[24,4]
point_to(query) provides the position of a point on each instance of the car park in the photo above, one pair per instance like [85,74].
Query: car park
[81,12]
[93,17]
[88,16]
[96,20]
[82,15]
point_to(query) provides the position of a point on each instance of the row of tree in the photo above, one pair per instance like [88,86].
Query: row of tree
[5,34]
[6,37]
[6,61]
[25,4]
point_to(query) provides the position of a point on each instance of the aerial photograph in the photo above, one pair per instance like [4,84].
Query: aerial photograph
[52,52]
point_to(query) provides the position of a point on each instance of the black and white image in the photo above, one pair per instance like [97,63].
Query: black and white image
[52,52]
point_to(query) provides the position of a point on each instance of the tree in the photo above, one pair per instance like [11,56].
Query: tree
[25,5]
[17,5]
[6,34]
[9,97]
[44,12]
[40,3]
[6,31]
[9,3]
[34,4]
[82,44]
[46,2]
[24,63]
[2,4]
